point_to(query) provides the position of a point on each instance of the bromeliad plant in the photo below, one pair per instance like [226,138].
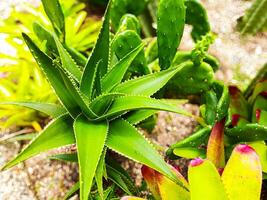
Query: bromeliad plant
[95,101]
[235,117]
[240,179]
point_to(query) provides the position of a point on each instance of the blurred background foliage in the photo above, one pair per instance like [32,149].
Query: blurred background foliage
[20,78]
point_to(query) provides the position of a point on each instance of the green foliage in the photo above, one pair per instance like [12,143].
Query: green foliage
[255,18]
[22,80]
[95,104]
[240,179]
[242,117]
[169,38]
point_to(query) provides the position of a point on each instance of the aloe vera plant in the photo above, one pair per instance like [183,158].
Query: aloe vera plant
[94,101]
[240,179]
[21,80]
[255,18]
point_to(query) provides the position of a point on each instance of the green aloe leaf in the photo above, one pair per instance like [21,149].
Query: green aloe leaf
[169,38]
[70,157]
[114,172]
[117,174]
[90,140]
[55,14]
[53,75]
[205,181]
[58,133]
[50,109]
[99,55]
[127,103]
[140,115]
[255,18]
[100,173]
[149,84]
[72,191]
[116,74]
[68,63]
[142,152]
[79,98]
[45,36]
[101,103]
[242,175]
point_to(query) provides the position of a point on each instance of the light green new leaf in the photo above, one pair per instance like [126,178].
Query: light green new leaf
[99,55]
[67,62]
[77,95]
[135,146]
[90,140]
[149,84]
[101,104]
[54,77]
[58,133]
[205,181]
[50,109]
[54,12]
[127,103]
[116,74]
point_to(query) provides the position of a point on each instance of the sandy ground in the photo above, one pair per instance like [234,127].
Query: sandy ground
[40,178]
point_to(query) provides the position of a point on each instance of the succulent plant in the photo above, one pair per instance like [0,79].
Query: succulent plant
[241,178]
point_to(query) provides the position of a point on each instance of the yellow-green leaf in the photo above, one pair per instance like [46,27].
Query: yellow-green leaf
[242,175]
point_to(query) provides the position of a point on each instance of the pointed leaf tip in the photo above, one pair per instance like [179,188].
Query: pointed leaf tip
[162,187]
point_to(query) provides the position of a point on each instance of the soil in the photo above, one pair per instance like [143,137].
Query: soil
[40,178]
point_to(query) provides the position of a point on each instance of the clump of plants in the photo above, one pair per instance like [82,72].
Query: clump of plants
[20,77]
[104,97]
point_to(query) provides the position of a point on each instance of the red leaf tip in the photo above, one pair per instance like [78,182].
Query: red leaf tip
[243,148]
[235,119]
[258,114]
[233,90]
[196,162]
